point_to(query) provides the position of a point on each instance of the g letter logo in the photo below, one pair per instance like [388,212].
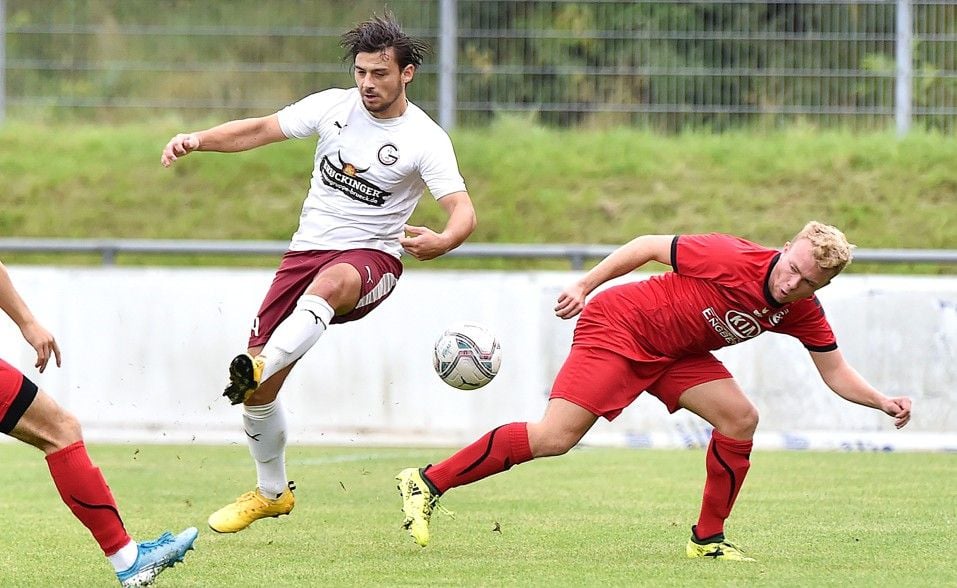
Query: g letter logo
[388,154]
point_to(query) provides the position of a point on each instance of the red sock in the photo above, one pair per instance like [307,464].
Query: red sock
[83,489]
[495,452]
[727,463]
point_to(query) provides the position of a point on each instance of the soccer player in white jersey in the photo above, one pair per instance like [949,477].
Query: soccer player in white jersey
[376,154]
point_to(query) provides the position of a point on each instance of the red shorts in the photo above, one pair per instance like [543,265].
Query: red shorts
[16,394]
[379,270]
[604,382]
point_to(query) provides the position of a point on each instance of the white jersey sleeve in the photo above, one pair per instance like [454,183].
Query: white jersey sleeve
[304,118]
[439,168]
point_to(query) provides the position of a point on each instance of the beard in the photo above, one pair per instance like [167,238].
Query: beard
[379,103]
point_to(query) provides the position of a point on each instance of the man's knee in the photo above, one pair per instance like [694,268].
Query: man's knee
[547,442]
[70,430]
[340,286]
[51,430]
[741,424]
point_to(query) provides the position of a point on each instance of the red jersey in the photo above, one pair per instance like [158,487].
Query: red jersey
[716,296]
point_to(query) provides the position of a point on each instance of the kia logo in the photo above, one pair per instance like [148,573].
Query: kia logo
[742,324]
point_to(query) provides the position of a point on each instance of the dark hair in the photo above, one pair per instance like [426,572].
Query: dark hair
[378,34]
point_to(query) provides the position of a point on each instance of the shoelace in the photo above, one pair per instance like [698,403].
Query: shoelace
[249,497]
[164,539]
[732,546]
[434,503]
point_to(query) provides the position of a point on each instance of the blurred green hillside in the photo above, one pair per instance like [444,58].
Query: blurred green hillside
[529,184]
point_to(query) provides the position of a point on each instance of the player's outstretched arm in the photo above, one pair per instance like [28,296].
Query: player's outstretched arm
[627,258]
[229,137]
[844,380]
[35,334]
[423,243]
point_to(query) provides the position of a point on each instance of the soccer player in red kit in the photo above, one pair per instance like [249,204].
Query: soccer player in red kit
[657,335]
[32,416]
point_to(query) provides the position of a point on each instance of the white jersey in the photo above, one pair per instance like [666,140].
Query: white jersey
[369,174]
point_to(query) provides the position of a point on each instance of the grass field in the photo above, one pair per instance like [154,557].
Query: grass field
[596,517]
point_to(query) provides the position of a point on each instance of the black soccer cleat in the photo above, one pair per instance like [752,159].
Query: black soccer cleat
[244,374]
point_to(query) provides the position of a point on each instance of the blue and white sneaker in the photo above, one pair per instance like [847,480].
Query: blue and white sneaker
[155,556]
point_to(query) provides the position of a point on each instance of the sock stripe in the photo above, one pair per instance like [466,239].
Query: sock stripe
[488,451]
[108,507]
[727,468]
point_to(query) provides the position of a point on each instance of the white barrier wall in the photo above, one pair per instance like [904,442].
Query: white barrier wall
[145,352]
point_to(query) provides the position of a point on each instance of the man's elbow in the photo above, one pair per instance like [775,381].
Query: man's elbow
[468,219]
[472,224]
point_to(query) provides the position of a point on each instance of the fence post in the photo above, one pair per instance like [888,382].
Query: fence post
[904,89]
[448,35]
[3,60]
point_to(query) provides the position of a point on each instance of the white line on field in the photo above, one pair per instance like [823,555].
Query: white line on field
[350,457]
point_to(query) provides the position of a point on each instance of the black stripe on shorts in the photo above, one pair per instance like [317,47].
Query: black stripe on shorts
[20,404]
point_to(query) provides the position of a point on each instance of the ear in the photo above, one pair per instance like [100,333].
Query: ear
[407,73]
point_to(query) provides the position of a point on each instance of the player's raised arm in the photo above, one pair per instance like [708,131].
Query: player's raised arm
[424,243]
[844,380]
[33,332]
[626,258]
[229,137]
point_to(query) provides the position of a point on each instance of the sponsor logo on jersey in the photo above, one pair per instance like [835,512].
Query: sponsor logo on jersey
[778,316]
[719,327]
[742,324]
[346,179]
[388,154]
[735,327]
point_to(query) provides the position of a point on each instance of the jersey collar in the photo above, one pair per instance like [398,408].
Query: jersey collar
[767,278]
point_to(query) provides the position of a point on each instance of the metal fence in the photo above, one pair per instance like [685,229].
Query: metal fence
[575,254]
[665,65]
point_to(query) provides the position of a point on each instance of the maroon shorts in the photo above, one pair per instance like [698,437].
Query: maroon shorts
[604,382]
[16,394]
[379,270]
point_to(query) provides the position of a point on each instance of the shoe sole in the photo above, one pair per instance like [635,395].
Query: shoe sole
[242,383]
[275,516]
[717,555]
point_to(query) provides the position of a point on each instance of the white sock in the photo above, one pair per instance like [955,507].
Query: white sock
[124,559]
[265,427]
[295,335]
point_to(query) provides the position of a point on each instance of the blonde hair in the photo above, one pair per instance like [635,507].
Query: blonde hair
[829,246]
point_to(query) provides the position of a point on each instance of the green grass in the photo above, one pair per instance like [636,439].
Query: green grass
[529,184]
[608,517]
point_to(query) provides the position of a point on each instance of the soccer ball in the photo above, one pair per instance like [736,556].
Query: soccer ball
[467,356]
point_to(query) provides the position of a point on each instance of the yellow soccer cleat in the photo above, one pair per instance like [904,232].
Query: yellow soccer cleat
[418,500]
[715,547]
[249,508]
[245,374]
